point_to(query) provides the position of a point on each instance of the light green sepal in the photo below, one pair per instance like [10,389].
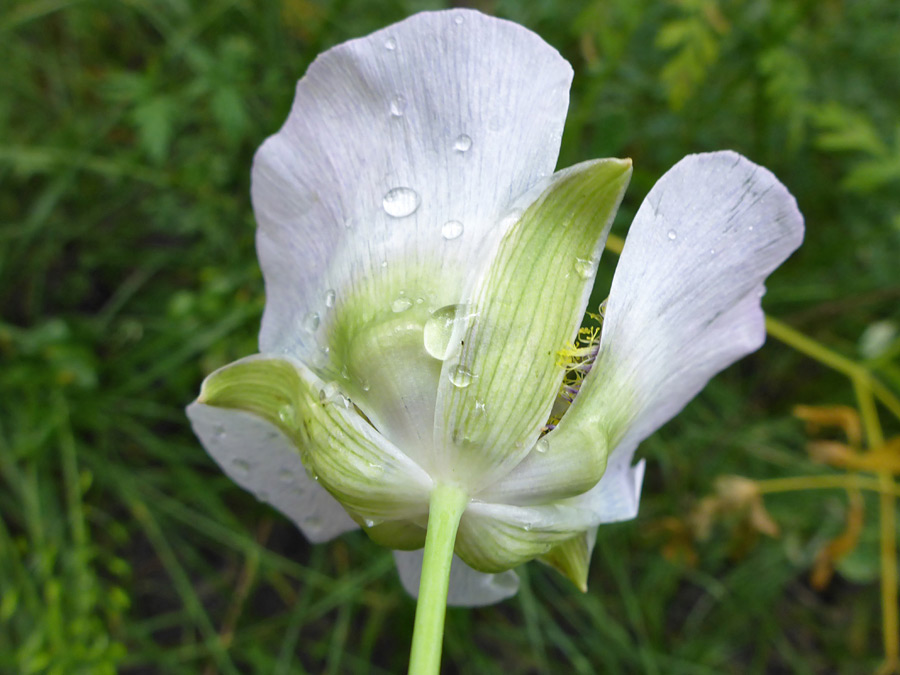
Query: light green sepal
[497,388]
[369,476]
[497,537]
[399,535]
[572,558]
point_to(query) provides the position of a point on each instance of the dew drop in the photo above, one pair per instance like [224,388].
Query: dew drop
[285,476]
[401,304]
[400,202]
[311,322]
[330,297]
[542,446]
[390,44]
[328,393]
[348,223]
[374,470]
[750,228]
[439,330]
[320,357]
[672,235]
[398,106]
[286,414]
[712,251]
[219,431]
[462,143]
[585,267]
[458,19]
[460,377]
[369,522]
[451,229]
[241,466]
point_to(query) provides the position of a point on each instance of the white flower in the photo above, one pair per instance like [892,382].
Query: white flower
[425,272]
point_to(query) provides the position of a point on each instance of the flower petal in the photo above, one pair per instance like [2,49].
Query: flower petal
[494,537]
[393,138]
[468,588]
[370,477]
[685,299]
[260,458]
[492,402]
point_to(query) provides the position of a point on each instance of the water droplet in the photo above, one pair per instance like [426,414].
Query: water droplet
[320,357]
[328,393]
[458,19]
[285,476]
[330,297]
[439,329]
[348,223]
[311,473]
[585,267]
[542,446]
[286,414]
[345,373]
[462,143]
[400,202]
[401,304]
[219,432]
[601,310]
[750,229]
[384,263]
[527,527]
[374,471]
[311,322]
[511,219]
[460,377]
[364,385]
[241,466]
[262,496]
[390,44]
[369,522]
[398,106]
[672,235]
[451,229]
[712,251]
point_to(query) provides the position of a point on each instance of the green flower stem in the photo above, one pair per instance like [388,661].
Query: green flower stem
[445,510]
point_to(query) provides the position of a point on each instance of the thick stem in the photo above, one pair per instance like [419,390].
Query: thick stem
[445,510]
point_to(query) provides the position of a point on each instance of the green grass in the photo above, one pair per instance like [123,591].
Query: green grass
[127,272]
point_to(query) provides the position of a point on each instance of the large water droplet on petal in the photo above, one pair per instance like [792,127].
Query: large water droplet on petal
[462,143]
[398,106]
[330,296]
[390,44]
[401,202]
[286,414]
[451,229]
[460,377]
[439,329]
[311,322]
[542,446]
[401,304]
[585,267]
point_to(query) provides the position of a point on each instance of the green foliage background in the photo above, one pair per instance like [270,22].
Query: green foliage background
[127,272]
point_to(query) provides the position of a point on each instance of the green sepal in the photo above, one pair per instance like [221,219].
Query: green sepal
[526,310]
[572,558]
[370,477]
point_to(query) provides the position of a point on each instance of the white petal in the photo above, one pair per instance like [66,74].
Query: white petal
[685,299]
[468,588]
[618,494]
[397,110]
[259,457]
